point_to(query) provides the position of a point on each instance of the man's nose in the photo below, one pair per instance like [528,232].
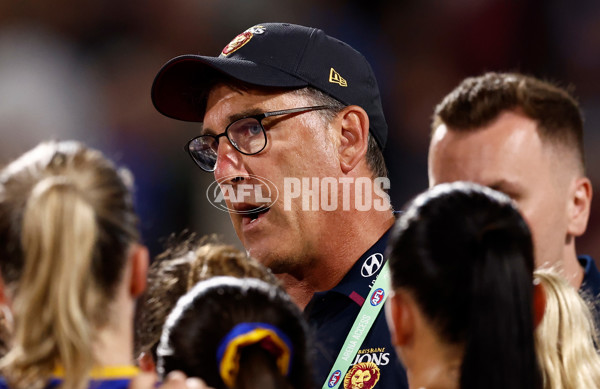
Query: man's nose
[230,163]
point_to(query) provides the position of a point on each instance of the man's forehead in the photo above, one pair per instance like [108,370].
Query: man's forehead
[500,168]
[226,104]
[498,179]
[227,97]
[512,138]
[221,93]
[222,90]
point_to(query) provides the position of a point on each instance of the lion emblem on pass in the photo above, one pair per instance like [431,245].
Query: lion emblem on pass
[362,376]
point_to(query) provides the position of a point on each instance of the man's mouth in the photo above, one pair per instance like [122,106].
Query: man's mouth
[252,214]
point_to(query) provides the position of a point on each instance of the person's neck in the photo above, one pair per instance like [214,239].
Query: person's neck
[299,290]
[114,342]
[338,252]
[571,268]
[439,368]
[435,375]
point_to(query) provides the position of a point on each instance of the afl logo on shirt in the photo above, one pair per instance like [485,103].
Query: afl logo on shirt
[335,378]
[371,265]
[377,297]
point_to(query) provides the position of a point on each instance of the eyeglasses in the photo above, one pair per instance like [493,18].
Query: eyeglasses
[247,135]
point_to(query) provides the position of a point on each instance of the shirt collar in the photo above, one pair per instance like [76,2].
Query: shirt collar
[356,284]
[591,277]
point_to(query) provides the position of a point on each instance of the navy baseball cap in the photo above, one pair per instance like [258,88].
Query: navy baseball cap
[273,55]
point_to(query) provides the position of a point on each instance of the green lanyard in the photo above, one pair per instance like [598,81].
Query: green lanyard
[362,324]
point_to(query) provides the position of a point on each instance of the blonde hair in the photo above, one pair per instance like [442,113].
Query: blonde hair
[67,218]
[565,337]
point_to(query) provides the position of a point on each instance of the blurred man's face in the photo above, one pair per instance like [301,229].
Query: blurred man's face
[508,155]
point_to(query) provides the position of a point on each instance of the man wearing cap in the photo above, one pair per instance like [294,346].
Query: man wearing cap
[293,109]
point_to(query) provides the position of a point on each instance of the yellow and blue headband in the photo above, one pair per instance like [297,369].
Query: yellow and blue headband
[242,335]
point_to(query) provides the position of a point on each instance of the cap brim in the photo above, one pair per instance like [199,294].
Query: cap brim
[181,83]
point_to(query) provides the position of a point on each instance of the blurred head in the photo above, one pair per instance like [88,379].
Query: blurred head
[227,313]
[69,233]
[566,337]
[175,271]
[524,137]
[461,256]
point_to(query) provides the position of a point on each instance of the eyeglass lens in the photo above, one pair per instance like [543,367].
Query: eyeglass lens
[246,135]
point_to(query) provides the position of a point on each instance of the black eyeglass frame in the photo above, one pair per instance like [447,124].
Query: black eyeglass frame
[259,118]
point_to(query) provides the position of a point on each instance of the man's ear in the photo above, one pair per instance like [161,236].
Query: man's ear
[579,206]
[140,259]
[354,137]
[400,318]
[539,303]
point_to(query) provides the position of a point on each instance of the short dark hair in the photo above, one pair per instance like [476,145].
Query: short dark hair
[465,254]
[477,101]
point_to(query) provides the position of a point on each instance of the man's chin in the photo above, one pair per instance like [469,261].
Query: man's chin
[258,252]
[268,258]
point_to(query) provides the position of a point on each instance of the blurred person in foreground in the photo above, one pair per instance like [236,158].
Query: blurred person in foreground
[72,265]
[566,337]
[237,333]
[464,304]
[290,109]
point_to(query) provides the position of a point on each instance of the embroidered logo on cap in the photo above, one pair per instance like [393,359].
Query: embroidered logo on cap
[242,39]
[362,376]
[336,78]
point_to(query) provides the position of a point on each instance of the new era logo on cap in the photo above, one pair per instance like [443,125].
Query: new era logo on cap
[280,55]
[336,78]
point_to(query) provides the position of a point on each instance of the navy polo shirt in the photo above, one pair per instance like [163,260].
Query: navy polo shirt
[590,288]
[331,314]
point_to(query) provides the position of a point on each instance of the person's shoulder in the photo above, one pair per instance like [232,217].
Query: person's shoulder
[591,276]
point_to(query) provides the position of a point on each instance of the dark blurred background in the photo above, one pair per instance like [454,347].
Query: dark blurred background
[82,69]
